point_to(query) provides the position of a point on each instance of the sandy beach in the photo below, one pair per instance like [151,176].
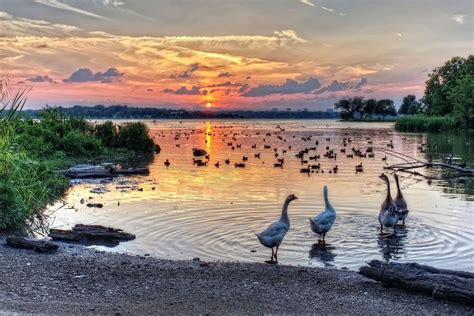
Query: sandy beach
[76,280]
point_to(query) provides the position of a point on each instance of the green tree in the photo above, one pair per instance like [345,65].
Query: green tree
[462,98]
[442,81]
[385,107]
[407,102]
[357,103]
[348,107]
[369,106]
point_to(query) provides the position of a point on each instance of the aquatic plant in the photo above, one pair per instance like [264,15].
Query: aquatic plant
[423,123]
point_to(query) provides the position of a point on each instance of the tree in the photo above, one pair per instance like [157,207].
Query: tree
[348,107]
[462,98]
[407,102]
[442,81]
[357,103]
[369,106]
[385,107]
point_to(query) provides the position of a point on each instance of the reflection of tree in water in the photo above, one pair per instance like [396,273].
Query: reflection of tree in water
[391,246]
[440,146]
[322,252]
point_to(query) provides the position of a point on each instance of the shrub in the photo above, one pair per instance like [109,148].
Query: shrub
[107,133]
[76,143]
[135,136]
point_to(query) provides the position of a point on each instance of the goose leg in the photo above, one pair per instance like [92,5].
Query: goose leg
[276,255]
[403,222]
[324,236]
[273,254]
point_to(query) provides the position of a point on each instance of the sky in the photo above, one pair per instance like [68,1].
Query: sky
[227,54]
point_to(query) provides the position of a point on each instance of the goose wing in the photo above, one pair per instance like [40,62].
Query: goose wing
[275,229]
[324,218]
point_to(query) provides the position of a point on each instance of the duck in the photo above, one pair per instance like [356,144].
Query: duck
[274,234]
[388,216]
[323,222]
[167,163]
[402,207]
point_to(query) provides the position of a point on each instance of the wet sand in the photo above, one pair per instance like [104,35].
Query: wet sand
[83,281]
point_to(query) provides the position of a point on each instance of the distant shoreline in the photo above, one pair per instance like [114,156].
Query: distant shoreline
[125,112]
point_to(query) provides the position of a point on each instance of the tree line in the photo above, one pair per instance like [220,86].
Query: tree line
[358,108]
[449,91]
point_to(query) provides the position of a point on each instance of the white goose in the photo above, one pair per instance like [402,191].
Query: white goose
[274,234]
[322,223]
[402,207]
[388,215]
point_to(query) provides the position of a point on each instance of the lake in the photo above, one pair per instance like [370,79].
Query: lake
[185,211]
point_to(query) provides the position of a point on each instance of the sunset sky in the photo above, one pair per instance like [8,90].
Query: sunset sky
[227,54]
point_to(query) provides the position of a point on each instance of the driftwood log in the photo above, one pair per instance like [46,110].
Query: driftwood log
[91,234]
[95,172]
[439,283]
[31,244]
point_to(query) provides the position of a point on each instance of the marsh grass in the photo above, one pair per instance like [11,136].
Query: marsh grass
[423,123]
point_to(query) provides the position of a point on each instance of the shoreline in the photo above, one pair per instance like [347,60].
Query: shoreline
[81,280]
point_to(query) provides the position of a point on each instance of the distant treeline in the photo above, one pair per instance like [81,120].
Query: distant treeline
[126,112]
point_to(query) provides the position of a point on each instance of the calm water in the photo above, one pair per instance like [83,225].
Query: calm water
[186,211]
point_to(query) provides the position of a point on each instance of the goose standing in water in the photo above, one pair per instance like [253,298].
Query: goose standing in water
[322,223]
[388,215]
[274,234]
[402,207]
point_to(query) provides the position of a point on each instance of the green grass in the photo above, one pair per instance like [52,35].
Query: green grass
[422,123]
[31,151]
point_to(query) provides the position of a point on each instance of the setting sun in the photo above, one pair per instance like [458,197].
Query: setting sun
[208,104]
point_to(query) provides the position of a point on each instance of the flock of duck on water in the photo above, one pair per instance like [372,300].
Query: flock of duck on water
[391,212]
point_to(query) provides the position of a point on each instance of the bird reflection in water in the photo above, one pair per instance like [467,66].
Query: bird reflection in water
[392,245]
[323,252]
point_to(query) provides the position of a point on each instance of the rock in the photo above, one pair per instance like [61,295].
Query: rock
[98,205]
[31,244]
[92,235]
[199,152]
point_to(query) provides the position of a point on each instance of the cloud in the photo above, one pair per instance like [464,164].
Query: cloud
[225,74]
[327,9]
[225,84]
[15,26]
[40,79]
[289,87]
[458,18]
[337,86]
[307,2]
[86,75]
[57,4]
[399,34]
[187,73]
[195,90]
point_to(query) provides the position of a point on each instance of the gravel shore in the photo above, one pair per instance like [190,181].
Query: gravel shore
[76,280]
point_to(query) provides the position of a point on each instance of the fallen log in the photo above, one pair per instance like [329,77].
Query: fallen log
[97,172]
[91,234]
[439,283]
[133,171]
[31,244]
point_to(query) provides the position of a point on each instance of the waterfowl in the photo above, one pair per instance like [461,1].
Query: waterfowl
[217,164]
[227,161]
[388,215]
[167,163]
[402,207]
[274,234]
[239,165]
[306,170]
[323,222]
